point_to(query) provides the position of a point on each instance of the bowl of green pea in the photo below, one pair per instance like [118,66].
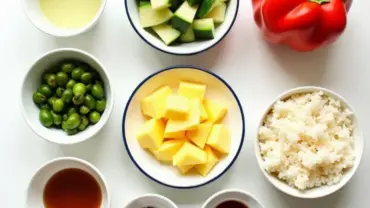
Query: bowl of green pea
[66,96]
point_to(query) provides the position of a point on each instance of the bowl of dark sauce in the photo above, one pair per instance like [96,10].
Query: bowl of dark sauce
[232,198]
[67,182]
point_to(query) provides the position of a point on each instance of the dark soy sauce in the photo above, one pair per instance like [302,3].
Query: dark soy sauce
[231,204]
[72,188]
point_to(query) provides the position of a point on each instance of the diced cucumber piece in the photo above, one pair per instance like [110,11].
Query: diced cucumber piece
[184,16]
[194,2]
[188,36]
[204,28]
[218,13]
[167,33]
[207,6]
[150,17]
[160,4]
[175,4]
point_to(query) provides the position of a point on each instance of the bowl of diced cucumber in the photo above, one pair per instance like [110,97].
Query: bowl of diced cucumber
[182,27]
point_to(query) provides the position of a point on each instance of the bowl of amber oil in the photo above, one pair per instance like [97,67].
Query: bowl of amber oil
[67,182]
[232,198]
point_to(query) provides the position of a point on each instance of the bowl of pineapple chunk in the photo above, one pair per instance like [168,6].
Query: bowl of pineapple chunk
[183,127]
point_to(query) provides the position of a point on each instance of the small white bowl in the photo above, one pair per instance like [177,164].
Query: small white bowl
[232,194]
[322,190]
[34,14]
[151,200]
[196,47]
[217,89]
[38,181]
[32,81]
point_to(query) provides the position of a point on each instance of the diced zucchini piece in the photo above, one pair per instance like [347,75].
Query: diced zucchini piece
[175,4]
[160,4]
[150,17]
[194,2]
[204,28]
[207,6]
[218,13]
[184,16]
[167,33]
[188,36]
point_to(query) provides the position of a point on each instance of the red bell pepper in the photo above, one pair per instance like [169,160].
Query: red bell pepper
[303,25]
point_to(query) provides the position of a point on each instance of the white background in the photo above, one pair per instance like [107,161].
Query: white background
[257,72]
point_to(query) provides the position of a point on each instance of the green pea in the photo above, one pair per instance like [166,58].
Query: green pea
[84,110]
[71,110]
[67,95]
[51,81]
[62,78]
[94,117]
[56,118]
[90,102]
[77,72]
[100,105]
[99,82]
[68,67]
[58,105]
[45,77]
[38,98]
[71,131]
[45,106]
[46,118]
[84,123]
[51,100]
[97,91]
[78,99]
[65,117]
[59,92]
[86,77]
[45,90]
[88,87]
[79,88]
[73,121]
[70,84]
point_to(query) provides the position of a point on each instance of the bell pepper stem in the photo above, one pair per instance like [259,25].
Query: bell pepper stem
[320,1]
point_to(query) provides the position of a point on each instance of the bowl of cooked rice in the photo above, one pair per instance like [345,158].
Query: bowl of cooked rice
[309,143]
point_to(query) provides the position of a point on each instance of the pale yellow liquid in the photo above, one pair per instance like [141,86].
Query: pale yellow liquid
[70,13]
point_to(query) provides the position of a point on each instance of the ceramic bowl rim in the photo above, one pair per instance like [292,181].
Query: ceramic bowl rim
[70,159]
[286,94]
[225,191]
[109,84]
[185,53]
[152,195]
[192,68]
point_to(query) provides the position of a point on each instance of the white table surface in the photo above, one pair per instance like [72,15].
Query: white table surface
[257,72]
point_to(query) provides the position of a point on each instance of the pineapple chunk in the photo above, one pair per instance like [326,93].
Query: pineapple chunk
[189,154]
[220,138]
[154,104]
[177,107]
[167,150]
[192,90]
[203,113]
[212,160]
[174,135]
[184,169]
[199,136]
[151,134]
[216,111]
[189,123]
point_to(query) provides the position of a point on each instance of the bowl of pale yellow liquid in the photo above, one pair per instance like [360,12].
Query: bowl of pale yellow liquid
[64,18]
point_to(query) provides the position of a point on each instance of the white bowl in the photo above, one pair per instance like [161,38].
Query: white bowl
[32,81]
[217,89]
[35,15]
[151,200]
[222,30]
[38,181]
[326,189]
[232,194]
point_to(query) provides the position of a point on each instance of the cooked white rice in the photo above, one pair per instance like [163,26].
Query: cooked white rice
[307,140]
